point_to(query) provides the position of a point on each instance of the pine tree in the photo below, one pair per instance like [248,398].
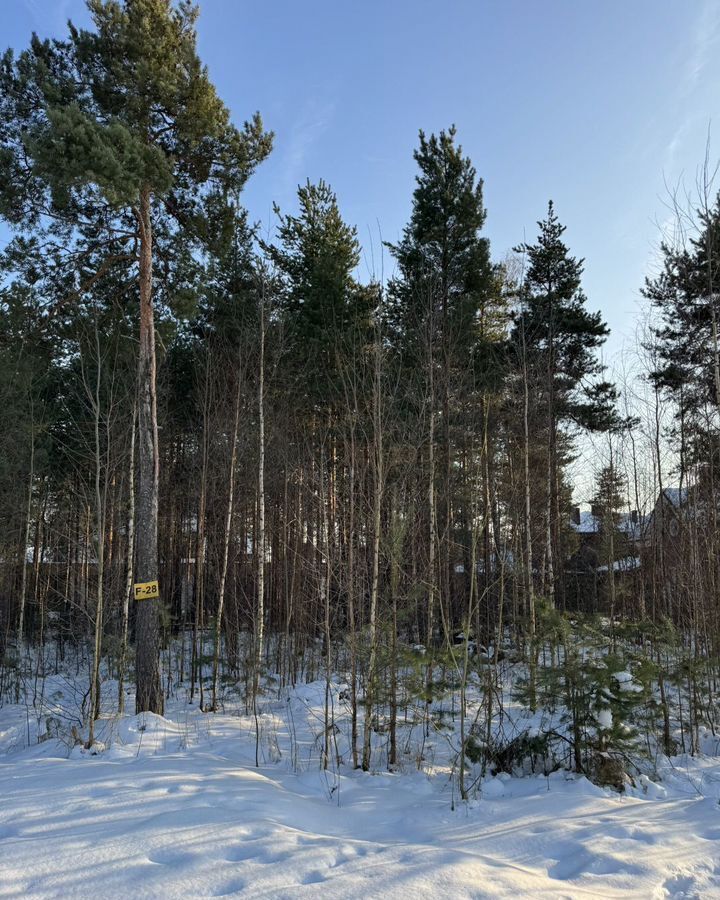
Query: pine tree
[686,296]
[439,311]
[122,124]
[325,311]
[445,275]
[558,336]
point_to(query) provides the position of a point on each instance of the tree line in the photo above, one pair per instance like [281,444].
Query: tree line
[323,474]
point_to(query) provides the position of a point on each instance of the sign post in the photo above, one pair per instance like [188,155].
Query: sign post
[147,590]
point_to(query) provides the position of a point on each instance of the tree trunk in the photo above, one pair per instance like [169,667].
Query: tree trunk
[226,546]
[23,583]
[260,542]
[377,456]
[351,602]
[100,517]
[148,695]
[129,569]
[260,635]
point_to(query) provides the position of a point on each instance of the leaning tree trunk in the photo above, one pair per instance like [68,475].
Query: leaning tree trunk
[226,546]
[23,583]
[147,654]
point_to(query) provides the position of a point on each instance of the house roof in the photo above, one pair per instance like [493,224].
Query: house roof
[676,496]
[590,524]
[626,564]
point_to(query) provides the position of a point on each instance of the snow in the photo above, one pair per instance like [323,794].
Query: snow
[626,564]
[627,683]
[175,807]
[591,524]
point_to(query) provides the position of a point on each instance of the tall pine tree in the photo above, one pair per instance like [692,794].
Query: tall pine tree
[558,338]
[121,124]
[437,308]
[325,311]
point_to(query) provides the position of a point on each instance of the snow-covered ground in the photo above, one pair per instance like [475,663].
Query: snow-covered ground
[175,807]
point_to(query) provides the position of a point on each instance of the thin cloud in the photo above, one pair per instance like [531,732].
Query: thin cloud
[48,16]
[706,34]
[703,52]
[305,133]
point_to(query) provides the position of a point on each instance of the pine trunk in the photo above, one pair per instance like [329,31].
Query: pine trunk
[148,695]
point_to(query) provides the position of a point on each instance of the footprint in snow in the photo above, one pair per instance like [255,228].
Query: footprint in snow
[314,876]
[252,853]
[183,789]
[679,887]
[235,886]
[586,864]
[174,858]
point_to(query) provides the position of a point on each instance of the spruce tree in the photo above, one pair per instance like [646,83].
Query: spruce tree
[608,504]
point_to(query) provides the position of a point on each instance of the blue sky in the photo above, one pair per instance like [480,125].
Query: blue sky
[595,105]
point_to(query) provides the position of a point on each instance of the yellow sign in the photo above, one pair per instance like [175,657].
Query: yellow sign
[148,590]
